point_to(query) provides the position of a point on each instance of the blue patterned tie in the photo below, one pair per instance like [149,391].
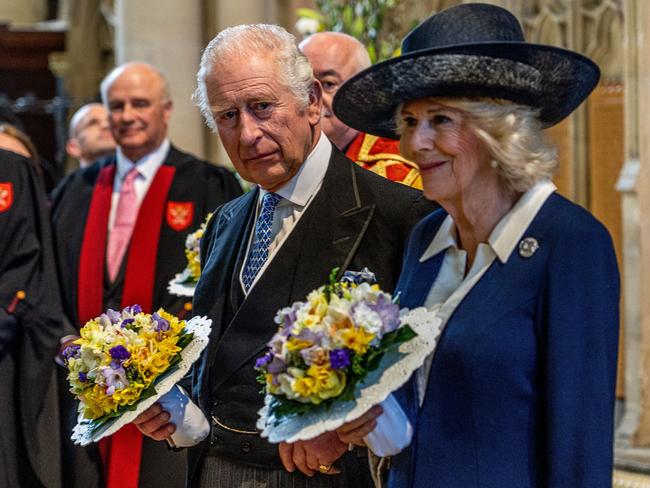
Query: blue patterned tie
[259,251]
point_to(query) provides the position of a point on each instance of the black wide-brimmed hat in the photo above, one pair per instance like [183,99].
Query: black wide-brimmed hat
[470,50]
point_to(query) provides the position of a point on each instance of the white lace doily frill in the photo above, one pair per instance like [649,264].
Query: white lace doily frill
[86,431]
[179,285]
[394,370]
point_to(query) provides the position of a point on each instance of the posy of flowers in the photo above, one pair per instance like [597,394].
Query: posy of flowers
[192,272]
[120,357]
[328,344]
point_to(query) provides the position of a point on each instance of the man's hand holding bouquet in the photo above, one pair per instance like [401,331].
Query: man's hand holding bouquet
[126,361]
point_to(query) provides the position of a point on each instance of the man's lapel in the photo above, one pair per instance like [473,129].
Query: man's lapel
[327,236]
[213,290]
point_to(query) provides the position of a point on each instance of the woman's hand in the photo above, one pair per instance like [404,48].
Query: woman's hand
[354,432]
[154,423]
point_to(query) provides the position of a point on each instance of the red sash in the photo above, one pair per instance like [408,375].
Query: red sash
[121,453]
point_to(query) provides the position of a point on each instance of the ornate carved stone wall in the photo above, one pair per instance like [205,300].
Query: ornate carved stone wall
[591,141]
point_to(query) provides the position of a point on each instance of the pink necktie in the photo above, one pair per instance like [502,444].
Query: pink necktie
[125,216]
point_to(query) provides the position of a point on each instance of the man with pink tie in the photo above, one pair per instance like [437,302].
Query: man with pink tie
[119,228]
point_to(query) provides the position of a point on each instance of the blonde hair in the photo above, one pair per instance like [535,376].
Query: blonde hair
[21,137]
[513,136]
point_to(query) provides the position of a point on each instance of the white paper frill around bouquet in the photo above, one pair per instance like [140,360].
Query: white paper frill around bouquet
[87,431]
[394,370]
[181,285]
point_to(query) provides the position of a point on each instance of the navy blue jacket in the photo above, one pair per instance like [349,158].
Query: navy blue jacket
[522,384]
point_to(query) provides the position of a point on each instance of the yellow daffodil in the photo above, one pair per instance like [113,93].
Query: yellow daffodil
[328,383]
[356,338]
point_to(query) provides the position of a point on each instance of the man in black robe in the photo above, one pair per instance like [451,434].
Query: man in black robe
[30,327]
[174,191]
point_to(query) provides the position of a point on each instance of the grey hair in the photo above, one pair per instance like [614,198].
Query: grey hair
[293,68]
[118,71]
[513,136]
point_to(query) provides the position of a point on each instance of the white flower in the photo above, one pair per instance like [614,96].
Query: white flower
[362,292]
[367,318]
[307,26]
[286,385]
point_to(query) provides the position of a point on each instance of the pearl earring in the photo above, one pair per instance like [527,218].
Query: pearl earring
[494,163]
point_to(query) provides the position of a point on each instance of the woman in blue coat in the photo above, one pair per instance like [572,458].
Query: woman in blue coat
[520,389]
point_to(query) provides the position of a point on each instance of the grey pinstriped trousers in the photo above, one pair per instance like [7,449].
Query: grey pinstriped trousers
[218,472]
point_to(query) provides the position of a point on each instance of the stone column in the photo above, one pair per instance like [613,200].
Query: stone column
[168,35]
[220,14]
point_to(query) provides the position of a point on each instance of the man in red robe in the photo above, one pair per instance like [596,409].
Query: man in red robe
[335,57]
[119,230]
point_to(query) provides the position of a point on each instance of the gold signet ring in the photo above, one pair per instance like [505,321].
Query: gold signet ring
[325,468]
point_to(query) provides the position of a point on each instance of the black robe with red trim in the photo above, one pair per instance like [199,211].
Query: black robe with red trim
[195,188]
[29,330]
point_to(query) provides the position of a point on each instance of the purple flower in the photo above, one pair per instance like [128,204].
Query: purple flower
[162,325]
[340,358]
[119,353]
[310,335]
[71,352]
[115,379]
[113,315]
[133,309]
[276,366]
[263,361]
[388,312]
[287,316]
[83,377]
[126,322]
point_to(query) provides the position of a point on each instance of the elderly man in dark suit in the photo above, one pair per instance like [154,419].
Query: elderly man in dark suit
[312,210]
[120,226]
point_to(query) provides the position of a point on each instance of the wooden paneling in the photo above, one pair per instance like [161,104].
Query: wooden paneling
[606,155]
[564,179]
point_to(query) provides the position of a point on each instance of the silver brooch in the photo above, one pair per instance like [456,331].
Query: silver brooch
[528,246]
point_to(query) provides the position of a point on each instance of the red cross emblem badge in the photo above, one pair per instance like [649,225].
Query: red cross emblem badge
[180,215]
[6,196]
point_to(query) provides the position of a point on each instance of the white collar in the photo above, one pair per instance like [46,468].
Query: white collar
[306,182]
[507,233]
[147,165]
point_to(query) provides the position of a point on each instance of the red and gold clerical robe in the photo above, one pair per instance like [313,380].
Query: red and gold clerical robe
[381,156]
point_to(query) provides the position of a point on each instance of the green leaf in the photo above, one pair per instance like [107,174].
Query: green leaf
[347,17]
[185,339]
[310,14]
[357,27]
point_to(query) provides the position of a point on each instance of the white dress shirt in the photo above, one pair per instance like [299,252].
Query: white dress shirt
[296,195]
[452,285]
[147,168]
